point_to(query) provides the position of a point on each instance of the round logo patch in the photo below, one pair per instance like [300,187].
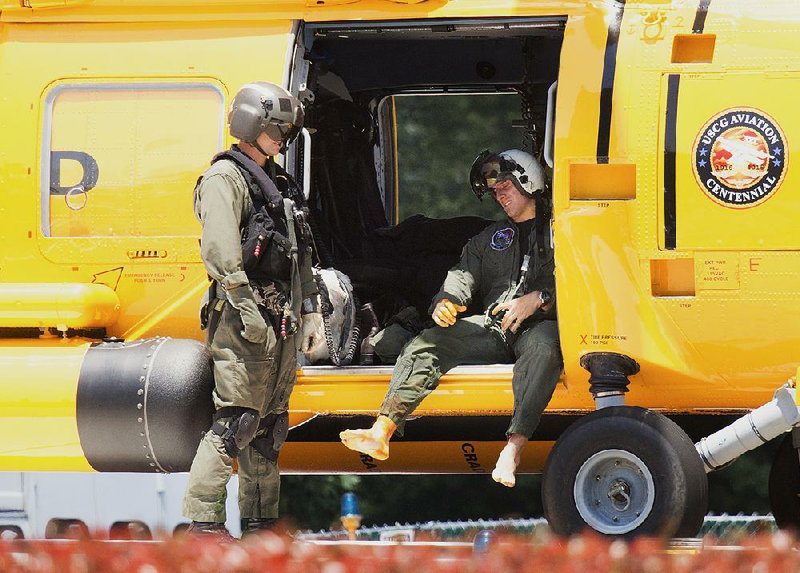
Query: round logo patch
[502,239]
[740,157]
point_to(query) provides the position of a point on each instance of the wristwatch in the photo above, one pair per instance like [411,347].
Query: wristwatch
[545,298]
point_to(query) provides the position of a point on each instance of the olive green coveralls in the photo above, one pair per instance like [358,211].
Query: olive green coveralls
[488,272]
[257,376]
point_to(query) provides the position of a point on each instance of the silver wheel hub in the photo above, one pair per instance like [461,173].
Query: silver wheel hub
[614,492]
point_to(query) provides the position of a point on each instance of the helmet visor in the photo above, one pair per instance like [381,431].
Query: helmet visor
[488,170]
[285,131]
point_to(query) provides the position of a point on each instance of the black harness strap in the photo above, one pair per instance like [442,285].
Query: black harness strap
[540,226]
[230,412]
[275,428]
[262,189]
[540,223]
[218,427]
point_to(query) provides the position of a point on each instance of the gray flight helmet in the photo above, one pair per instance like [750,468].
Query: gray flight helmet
[264,107]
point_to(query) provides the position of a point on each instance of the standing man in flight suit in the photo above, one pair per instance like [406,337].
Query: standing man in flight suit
[256,248]
[508,269]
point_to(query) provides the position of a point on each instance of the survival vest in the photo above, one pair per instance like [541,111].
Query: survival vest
[266,243]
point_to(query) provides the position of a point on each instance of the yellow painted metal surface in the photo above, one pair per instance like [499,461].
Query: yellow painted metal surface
[733,337]
[143,86]
[61,305]
[408,457]
[37,411]
[707,220]
[461,391]
[268,10]
[150,107]
[156,120]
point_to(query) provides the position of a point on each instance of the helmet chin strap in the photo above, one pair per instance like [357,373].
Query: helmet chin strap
[260,149]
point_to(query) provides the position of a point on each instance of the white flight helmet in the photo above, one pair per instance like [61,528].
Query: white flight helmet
[515,165]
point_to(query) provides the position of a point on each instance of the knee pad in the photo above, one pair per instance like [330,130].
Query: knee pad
[239,432]
[275,429]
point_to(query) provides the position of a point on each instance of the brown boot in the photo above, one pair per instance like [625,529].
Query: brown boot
[209,529]
[251,525]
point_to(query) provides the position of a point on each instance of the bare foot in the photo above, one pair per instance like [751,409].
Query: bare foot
[366,442]
[505,469]
[374,441]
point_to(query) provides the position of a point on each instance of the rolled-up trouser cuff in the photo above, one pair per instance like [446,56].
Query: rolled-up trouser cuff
[525,428]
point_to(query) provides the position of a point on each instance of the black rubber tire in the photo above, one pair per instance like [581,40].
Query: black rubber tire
[680,498]
[784,485]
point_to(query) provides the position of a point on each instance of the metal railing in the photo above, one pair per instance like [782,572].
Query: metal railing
[722,526]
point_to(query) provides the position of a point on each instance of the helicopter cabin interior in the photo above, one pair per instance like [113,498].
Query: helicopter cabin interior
[397,113]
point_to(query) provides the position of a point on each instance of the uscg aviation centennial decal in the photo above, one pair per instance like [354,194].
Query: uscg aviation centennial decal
[740,157]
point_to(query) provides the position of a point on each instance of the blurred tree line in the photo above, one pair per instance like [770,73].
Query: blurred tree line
[312,502]
[438,139]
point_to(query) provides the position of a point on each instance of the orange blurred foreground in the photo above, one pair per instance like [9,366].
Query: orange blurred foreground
[274,553]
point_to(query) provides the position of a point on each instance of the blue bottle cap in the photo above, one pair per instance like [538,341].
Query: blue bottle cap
[349,504]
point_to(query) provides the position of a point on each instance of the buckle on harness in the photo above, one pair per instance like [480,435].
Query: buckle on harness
[300,221]
[492,321]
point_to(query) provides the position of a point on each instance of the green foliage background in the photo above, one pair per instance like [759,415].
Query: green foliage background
[312,502]
[438,138]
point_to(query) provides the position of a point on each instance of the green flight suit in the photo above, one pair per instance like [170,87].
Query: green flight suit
[489,271]
[246,374]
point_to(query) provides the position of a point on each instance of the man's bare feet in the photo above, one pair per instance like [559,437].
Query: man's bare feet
[373,441]
[366,442]
[505,469]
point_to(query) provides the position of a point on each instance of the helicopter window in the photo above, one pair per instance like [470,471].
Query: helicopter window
[116,157]
[438,137]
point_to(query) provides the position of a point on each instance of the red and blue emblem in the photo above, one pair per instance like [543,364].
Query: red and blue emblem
[739,157]
[502,239]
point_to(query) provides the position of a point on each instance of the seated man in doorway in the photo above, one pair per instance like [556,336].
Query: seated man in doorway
[508,270]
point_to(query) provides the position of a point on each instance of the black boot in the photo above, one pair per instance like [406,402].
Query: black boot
[252,525]
[211,529]
[369,324]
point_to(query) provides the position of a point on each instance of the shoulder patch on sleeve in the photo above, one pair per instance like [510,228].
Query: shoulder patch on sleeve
[502,238]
